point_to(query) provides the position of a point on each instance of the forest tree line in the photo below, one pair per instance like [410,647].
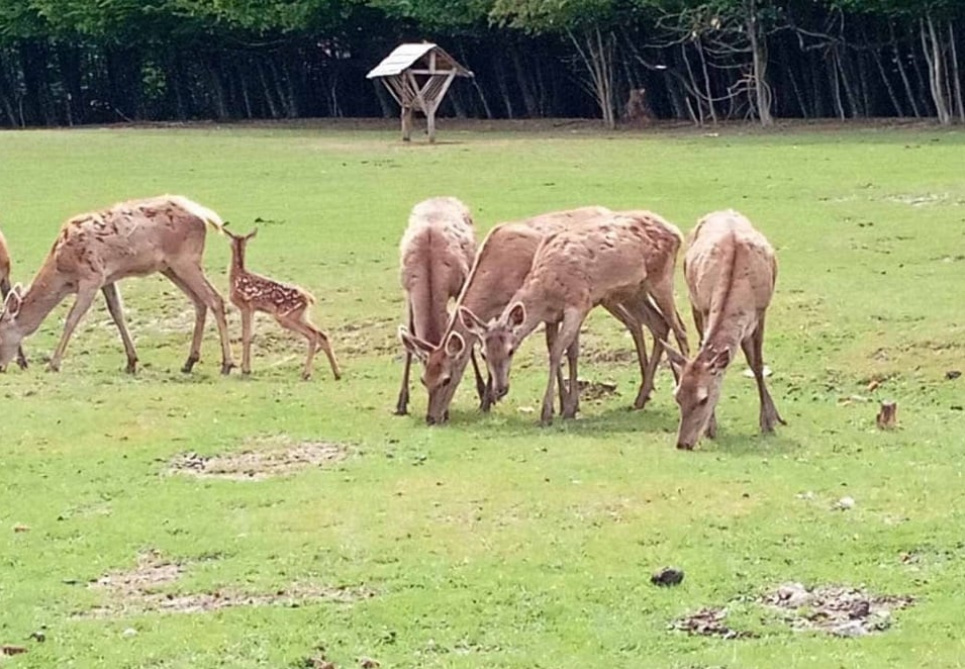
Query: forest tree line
[68,62]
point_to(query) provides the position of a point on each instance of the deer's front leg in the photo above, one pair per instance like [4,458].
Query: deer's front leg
[85,297]
[246,318]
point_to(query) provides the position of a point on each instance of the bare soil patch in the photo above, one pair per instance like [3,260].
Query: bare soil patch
[709,622]
[143,590]
[594,390]
[261,459]
[838,610]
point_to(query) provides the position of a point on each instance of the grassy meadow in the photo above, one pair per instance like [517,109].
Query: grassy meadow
[490,542]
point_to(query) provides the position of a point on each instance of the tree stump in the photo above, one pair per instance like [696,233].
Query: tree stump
[638,110]
[887,416]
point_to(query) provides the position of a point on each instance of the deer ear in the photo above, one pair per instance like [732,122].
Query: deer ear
[417,347]
[517,315]
[455,345]
[676,358]
[252,234]
[472,322]
[11,306]
[720,361]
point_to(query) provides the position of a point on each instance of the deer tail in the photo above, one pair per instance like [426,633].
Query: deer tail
[202,212]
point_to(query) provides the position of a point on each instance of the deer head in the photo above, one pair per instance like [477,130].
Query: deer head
[11,332]
[442,369]
[500,338]
[698,391]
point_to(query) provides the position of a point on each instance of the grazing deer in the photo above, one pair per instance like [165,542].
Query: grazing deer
[436,252]
[731,270]
[500,268]
[95,250]
[601,262]
[287,304]
[5,288]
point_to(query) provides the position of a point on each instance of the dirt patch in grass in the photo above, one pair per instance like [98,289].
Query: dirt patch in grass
[611,356]
[838,610]
[709,622]
[594,390]
[142,590]
[260,460]
[370,337]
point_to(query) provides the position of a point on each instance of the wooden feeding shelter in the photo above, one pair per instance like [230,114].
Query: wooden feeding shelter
[418,77]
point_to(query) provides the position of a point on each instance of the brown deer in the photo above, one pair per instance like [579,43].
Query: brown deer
[5,288]
[731,271]
[436,252]
[95,250]
[500,268]
[600,263]
[287,304]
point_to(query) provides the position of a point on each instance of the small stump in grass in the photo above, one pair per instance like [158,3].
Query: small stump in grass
[887,416]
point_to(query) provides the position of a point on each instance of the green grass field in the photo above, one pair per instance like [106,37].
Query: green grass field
[490,542]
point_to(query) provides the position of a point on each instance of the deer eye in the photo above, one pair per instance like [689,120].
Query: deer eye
[703,401]
[446,381]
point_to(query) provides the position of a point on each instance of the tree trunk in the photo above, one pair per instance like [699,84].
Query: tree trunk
[902,72]
[932,48]
[956,75]
[762,91]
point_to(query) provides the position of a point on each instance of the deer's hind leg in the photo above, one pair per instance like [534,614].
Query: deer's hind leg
[661,291]
[630,320]
[116,310]
[753,351]
[325,344]
[193,278]
[200,315]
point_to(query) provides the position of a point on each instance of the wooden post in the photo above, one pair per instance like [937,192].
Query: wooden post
[431,122]
[888,416]
[406,123]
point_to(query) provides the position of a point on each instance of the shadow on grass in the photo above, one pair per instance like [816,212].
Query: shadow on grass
[752,444]
[615,420]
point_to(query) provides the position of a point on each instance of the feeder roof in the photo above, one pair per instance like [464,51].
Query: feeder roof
[406,55]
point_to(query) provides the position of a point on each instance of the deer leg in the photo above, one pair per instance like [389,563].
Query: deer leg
[193,276]
[5,289]
[631,322]
[200,314]
[569,330]
[573,396]
[661,290]
[402,405]
[481,385]
[85,297]
[753,351]
[551,331]
[325,344]
[116,310]
[660,329]
[247,319]
[699,324]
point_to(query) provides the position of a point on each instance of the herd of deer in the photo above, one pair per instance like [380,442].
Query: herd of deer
[551,269]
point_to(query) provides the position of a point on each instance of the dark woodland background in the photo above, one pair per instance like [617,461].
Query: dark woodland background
[69,62]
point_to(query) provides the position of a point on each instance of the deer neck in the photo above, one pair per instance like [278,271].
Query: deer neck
[46,292]
[237,268]
[538,309]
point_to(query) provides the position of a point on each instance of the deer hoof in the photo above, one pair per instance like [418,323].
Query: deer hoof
[53,366]
[306,376]
[131,367]
[22,363]
[226,368]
